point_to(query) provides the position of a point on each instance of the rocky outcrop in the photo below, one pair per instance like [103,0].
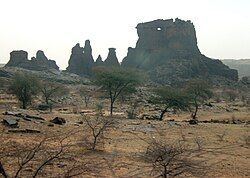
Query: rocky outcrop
[168,51]
[40,62]
[81,60]
[17,58]
[99,62]
[112,60]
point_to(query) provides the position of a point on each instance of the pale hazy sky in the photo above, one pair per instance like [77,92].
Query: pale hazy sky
[55,26]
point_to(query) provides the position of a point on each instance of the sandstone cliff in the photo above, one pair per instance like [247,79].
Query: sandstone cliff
[168,51]
[111,60]
[81,60]
[40,62]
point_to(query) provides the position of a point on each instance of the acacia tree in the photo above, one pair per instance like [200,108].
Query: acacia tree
[170,98]
[24,86]
[115,81]
[198,91]
[50,91]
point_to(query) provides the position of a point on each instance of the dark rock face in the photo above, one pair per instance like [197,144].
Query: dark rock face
[58,120]
[168,51]
[41,62]
[17,58]
[112,60]
[81,60]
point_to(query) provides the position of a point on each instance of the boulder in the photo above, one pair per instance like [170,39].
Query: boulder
[193,122]
[58,120]
[10,122]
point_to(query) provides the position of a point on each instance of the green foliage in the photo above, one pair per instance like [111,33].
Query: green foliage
[116,81]
[198,91]
[24,86]
[170,98]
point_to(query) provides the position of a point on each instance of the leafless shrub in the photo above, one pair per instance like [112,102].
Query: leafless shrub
[37,156]
[183,135]
[246,139]
[221,136]
[99,109]
[199,142]
[86,95]
[171,160]
[132,110]
[97,126]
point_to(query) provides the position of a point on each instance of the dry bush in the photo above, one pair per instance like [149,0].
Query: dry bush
[183,135]
[221,136]
[246,139]
[39,158]
[199,142]
[96,126]
[172,159]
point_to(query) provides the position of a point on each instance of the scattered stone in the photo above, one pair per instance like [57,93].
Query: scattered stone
[43,107]
[58,120]
[193,121]
[10,122]
[208,104]
[34,117]
[24,116]
[173,123]
[236,121]
[24,131]
[80,122]
[50,125]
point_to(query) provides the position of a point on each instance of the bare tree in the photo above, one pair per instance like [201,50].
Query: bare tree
[86,95]
[97,125]
[52,91]
[171,160]
[38,157]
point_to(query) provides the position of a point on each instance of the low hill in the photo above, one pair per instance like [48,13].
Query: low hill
[242,65]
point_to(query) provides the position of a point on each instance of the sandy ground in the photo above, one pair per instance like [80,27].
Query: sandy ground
[122,147]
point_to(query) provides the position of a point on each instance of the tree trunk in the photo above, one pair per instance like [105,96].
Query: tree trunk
[195,111]
[111,108]
[24,105]
[162,114]
[94,143]
[47,101]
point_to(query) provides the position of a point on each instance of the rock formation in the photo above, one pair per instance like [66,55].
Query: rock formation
[40,62]
[111,60]
[168,51]
[99,62]
[81,60]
